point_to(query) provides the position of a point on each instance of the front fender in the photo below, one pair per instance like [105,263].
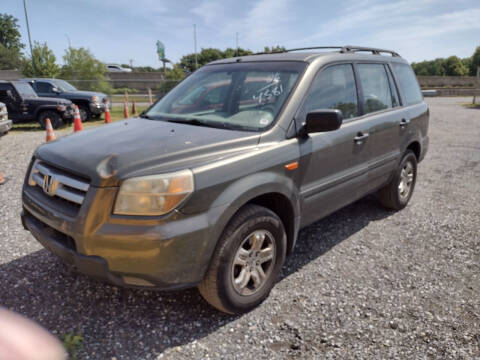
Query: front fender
[41,108]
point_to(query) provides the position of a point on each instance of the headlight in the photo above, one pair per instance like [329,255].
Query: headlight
[155,194]
[95,99]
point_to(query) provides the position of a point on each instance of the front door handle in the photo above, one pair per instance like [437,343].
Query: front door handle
[404,122]
[360,137]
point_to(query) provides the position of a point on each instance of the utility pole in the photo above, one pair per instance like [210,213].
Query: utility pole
[236,41]
[69,43]
[131,63]
[29,36]
[195,44]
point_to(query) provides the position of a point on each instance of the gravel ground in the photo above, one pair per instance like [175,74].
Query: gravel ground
[362,283]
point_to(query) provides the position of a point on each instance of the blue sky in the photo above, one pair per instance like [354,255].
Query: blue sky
[119,30]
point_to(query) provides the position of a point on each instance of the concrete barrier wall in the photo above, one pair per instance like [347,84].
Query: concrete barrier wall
[10,75]
[446,81]
[136,80]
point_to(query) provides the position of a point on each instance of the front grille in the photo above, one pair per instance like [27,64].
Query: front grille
[58,185]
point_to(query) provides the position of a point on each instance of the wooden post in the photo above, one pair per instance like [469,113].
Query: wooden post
[150,96]
[126,96]
[477,87]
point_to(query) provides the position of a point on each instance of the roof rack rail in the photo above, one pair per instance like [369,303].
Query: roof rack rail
[374,51]
[343,49]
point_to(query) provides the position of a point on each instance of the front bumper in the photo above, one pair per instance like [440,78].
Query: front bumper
[164,253]
[5,126]
[97,108]
[67,114]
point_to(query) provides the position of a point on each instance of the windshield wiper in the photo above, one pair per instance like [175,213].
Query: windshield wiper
[197,122]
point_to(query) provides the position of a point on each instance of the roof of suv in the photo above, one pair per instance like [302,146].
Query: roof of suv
[307,55]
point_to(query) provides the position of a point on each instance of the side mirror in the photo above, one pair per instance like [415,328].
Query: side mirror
[56,91]
[323,120]
[10,95]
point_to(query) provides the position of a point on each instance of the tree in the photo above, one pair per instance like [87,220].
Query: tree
[455,67]
[430,68]
[172,78]
[10,44]
[207,55]
[9,59]
[229,52]
[45,63]
[274,49]
[82,66]
[9,34]
[475,62]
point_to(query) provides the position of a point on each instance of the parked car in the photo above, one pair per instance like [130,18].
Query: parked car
[215,197]
[117,68]
[23,104]
[5,123]
[90,103]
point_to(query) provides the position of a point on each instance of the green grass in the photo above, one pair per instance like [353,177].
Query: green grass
[472,106]
[73,342]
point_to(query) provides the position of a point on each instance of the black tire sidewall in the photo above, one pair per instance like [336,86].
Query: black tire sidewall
[84,109]
[231,300]
[54,117]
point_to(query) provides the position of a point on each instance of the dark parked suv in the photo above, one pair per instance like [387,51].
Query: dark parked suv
[214,197]
[23,104]
[90,103]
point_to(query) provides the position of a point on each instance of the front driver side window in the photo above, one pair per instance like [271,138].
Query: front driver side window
[334,88]
[44,87]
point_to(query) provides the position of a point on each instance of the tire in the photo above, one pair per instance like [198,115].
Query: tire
[397,193]
[247,227]
[96,116]
[54,117]
[85,113]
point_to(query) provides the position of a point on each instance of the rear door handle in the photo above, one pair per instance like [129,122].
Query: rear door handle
[404,122]
[360,137]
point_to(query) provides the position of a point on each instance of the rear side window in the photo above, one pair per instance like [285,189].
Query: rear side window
[408,83]
[334,88]
[375,86]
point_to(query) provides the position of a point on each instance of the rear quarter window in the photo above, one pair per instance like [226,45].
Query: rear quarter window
[408,83]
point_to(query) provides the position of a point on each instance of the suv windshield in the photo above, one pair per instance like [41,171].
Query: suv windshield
[64,86]
[244,96]
[24,89]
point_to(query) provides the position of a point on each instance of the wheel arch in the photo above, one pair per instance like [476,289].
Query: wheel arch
[416,148]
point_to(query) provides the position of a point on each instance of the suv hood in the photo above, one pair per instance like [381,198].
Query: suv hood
[80,94]
[137,147]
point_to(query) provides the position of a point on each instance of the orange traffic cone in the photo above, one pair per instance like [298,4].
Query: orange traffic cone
[49,129]
[2,179]
[108,119]
[77,120]
[134,108]
[125,109]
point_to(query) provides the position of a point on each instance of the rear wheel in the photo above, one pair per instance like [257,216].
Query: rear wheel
[54,117]
[247,261]
[396,194]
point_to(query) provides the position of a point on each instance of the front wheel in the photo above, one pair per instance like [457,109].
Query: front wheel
[54,117]
[396,194]
[85,113]
[247,261]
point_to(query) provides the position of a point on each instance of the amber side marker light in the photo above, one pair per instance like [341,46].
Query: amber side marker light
[292,166]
